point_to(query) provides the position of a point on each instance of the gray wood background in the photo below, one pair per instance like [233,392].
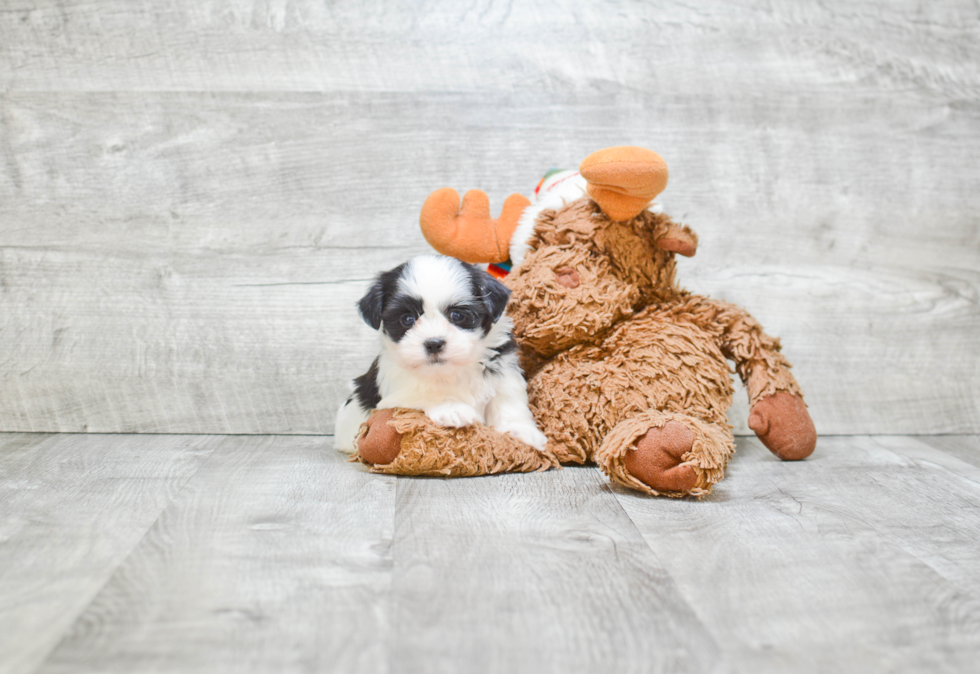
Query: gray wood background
[193,194]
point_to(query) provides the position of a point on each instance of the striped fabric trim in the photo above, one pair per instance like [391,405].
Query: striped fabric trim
[499,271]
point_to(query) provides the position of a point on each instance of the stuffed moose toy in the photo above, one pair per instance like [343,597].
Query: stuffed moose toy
[624,368]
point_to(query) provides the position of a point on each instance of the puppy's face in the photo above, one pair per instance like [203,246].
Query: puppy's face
[434,312]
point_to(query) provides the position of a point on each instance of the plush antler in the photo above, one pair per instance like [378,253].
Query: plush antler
[624,180]
[468,232]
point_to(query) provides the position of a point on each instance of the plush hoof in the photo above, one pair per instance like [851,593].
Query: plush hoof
[784,426]
[381,444]
[657,457]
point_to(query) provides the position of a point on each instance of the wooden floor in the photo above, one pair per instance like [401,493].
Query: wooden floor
[178,553]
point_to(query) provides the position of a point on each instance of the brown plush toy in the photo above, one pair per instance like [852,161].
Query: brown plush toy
[624,368]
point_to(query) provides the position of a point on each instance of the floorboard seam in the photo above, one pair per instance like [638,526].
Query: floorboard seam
[617,492]
[43,662]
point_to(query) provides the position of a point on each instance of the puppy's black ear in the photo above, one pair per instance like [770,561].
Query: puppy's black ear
[495,294]
[371,304]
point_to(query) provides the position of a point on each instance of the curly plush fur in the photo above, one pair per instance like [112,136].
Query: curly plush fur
[428,449]
[627,349]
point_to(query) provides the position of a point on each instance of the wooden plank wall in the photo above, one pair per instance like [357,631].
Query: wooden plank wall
[193,194]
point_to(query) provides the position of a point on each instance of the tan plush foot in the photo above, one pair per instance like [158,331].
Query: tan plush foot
[408,442]
[656,459]
[783,424]
[645,452]
[381,444]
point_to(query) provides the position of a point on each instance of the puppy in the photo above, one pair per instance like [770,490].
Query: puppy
[446,349]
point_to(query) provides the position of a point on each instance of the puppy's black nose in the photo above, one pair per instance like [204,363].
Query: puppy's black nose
[434,346]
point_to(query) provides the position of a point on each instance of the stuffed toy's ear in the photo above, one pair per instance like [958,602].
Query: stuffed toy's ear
[679,239]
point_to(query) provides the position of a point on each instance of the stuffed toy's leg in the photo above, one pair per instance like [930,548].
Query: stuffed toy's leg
[777,414]
[782,423]
[407,442]
[666,453]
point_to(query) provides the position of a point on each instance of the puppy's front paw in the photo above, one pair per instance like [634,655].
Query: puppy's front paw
[454,415]
[529,435]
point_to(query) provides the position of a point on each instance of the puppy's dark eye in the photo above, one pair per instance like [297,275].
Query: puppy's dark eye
[456,316]
[408,320]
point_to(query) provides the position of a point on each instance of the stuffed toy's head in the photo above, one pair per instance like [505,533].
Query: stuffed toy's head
[587,253]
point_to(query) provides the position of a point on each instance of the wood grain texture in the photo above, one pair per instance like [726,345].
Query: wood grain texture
[252,150]
[71,510]
[136,553]
[882,529]
[233,343]
[486,45]
[533,573]
[899,347]
[846,179]
[963,447]
[247,343]
[276,557]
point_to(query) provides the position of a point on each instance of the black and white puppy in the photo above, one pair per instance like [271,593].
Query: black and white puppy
[446,349]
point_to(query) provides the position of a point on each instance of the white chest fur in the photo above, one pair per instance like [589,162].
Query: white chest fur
[400,387]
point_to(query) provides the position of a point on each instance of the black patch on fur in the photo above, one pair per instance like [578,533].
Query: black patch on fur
[372,304]
[510,346]
[490,292]
[384,307]
[492,367]
[470,315]
[396,308]
[366,388]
